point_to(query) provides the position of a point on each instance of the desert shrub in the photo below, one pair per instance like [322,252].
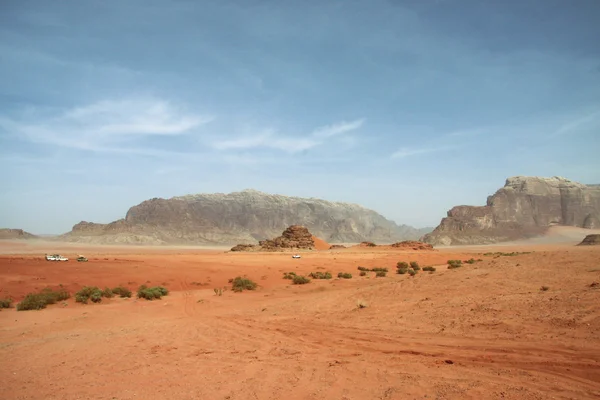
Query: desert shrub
[544,288]
[240,284]
[430,269]
[320,275]
[344,275]
[364,269]
[402,271]
[415,265]
[361,304]
[218,291]
[121,291]
[300,280]
[5,303]
[108,293]
[89,293]
[454,264]
[151,293]
[412,272]
[380,274]
[286,275]
[402,264]
[38,301]
[363,273]
[470,261]
[379,269]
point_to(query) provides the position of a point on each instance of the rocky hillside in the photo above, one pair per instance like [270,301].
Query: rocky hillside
[294,237]
[6,233]
[525,207]
[241,217]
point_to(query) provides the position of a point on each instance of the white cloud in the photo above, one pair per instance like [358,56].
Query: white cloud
[338,128]
[407,152]
[579,124]
[269,139]
[105,125]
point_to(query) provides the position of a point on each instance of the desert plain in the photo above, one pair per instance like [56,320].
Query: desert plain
[523,326]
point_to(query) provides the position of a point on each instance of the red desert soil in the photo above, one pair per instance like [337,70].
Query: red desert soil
[320,244]
[482,331]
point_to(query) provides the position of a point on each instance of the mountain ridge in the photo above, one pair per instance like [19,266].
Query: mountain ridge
[243,216]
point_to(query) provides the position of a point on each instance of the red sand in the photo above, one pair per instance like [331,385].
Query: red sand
[320,244]
[482,331]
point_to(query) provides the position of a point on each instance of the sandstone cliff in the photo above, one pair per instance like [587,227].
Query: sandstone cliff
[294,237]
[240,217]
[524,207]
[6,233]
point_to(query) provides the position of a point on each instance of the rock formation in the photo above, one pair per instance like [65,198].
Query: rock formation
[412,245]
[6,233]
[240,217]
[294,237]
[590,240]
[525,207]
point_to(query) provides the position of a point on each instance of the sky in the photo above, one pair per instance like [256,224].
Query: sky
[406,107]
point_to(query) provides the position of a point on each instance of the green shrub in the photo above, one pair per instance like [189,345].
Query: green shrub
[412,272]
[300,280]
[402,271]
[344,275]
[364,269]
[379,269]
[38,301]
[5,303]
[93,293]
[240,284]
[363,273]
[454,264]
[471,261]
[380,274]
[430,269]
[151,293]
[121,291]
[415,265]
[402,264]
[286,275]
[320,275]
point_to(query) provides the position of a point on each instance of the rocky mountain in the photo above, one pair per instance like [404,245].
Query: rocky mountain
[240,217]
[525,207]
[6,233]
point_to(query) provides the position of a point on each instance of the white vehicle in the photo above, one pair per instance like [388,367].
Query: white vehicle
[296,256]
[56,257]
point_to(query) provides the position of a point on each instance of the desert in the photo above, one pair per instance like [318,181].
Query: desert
[523,323]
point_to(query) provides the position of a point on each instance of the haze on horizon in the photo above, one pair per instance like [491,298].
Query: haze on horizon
[406,107]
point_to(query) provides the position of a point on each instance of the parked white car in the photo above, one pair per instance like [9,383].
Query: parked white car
[296,256]
[56,257]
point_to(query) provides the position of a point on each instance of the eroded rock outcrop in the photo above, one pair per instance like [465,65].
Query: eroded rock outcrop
[590,240]
[295,237]
[412,245]
[525,207]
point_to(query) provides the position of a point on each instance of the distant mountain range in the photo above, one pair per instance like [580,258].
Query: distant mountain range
[241,217]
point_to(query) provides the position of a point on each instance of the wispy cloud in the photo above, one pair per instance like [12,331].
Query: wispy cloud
[106,125]
[579,124]
[271,140]
[267,140]
[338,128]
[407,152]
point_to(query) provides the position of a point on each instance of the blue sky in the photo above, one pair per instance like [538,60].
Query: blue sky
[407,107]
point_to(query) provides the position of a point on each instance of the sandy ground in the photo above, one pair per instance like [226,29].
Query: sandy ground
[483,331]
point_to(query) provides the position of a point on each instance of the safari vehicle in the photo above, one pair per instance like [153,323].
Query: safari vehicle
[56,257]
[82,259]
[296,256]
